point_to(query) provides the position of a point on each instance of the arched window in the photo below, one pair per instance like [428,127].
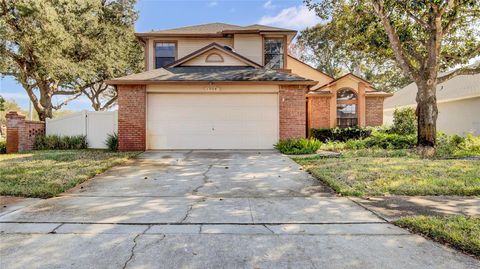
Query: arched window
[214,58]
[346,108]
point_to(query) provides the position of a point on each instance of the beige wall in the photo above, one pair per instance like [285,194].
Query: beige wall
[249,46]
[307,71]
[185,46]
[455,117]
[201,60]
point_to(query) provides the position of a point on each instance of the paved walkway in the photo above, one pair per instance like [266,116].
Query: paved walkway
[210,209]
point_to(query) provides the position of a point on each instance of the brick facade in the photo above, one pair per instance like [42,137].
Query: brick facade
[374,111]
[319,112]
[293,111]
[21,134]
[131,117]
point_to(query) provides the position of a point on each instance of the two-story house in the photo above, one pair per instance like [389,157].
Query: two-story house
[221,86]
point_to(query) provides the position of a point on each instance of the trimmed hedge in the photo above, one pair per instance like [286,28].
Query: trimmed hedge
[43,142]
[340,134]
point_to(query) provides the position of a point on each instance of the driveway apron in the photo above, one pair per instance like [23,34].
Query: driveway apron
[210,209]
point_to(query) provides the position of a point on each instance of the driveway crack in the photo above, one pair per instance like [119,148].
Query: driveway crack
[251,213]
[268,228]
[132,250]
[195,191]
[205,179]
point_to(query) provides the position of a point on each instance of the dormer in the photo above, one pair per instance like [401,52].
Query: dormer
[264,45]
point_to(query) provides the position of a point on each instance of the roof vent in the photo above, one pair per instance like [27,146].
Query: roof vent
[228,48]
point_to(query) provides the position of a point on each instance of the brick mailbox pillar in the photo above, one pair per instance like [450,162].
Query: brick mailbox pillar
[21,133]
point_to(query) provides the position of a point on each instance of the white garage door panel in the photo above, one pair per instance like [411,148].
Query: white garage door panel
[212,121]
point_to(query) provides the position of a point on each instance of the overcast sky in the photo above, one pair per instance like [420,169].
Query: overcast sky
[164,14]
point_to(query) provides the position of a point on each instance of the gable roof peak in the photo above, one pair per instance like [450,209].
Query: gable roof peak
[213,45]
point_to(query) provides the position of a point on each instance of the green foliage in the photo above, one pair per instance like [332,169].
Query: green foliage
[3,146]
[358,29]
[56,49]
[399,33]
[449,146]
[404,121]
[458,231]
[46,173]
[2,103]
[112,142]
[388,141]
[324,45]
[298,146]
[48,142]
[402,175]
[340,134]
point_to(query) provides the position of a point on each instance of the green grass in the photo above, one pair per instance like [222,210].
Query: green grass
[370,176]
[458,231]
[47,173]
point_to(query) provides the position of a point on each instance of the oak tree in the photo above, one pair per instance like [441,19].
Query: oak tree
[423,37]
[57,49]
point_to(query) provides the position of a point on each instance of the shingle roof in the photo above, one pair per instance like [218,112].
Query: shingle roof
[217,28]
[456,88]
[211,74]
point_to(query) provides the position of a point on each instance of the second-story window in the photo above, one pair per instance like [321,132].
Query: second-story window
[165,53]
[274,53]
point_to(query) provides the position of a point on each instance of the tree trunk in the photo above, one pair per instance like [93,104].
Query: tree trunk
[44,107]
[427,113]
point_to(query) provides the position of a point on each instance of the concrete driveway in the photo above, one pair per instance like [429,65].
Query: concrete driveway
[210,209]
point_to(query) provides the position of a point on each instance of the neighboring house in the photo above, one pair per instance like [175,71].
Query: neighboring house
[220,86]
[458,101]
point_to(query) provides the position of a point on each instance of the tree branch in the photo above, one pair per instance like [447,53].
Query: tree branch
[109,104]
[416,19]
[66,101]
[468,70]
[398,51]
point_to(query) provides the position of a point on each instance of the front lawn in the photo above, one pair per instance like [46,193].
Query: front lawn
[458,231]
[47,173]
[369,176]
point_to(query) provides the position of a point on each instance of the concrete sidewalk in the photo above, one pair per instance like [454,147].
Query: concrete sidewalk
[210,209]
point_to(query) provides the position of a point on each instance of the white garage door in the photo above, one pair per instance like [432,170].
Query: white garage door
[212,121]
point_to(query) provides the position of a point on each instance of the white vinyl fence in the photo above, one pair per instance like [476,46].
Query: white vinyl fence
[96,125]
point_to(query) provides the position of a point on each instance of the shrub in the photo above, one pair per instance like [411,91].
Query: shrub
[390,141]
[471,144]
[112,142]
[43,142]
[457,146]
[340,134]
[3,146]
[298,146]
[404,121]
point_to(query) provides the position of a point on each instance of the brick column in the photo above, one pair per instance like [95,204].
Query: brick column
[15,132]
[374,111]
[293,111]
[361,104]
[131,117]
[319,111]
[21,134]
